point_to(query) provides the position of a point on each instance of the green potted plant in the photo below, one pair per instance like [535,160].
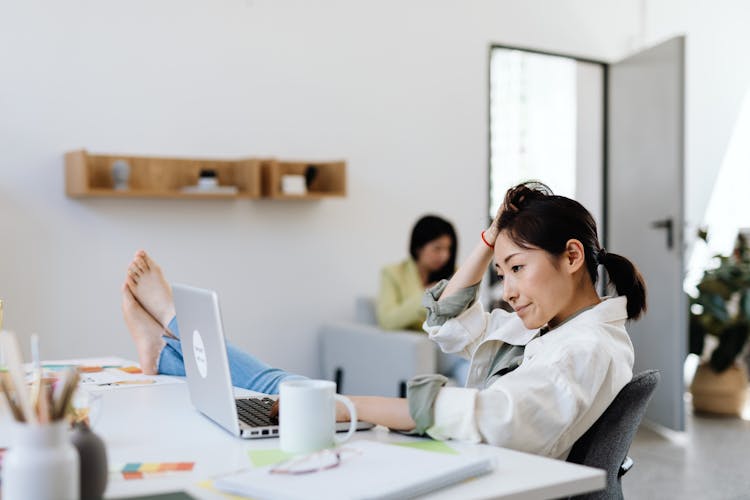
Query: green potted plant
[722,310]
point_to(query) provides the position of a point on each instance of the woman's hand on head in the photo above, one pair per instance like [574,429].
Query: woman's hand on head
[490,234]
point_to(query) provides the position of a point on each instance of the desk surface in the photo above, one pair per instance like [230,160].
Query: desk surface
[158,424]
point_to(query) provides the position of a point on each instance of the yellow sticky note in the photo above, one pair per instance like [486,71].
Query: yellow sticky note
[149,467]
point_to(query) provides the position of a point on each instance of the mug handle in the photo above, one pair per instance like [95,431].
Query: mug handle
[352,418]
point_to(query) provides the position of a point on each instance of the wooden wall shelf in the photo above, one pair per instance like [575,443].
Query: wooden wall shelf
[90,175]
[329,181]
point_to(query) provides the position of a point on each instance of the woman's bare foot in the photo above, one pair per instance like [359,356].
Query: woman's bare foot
[149,287]
[144,329]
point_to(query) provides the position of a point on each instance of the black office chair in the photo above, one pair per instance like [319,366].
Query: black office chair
[605,445]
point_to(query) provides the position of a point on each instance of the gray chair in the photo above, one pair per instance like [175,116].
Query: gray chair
[605,445]
[364,359]
[445,364]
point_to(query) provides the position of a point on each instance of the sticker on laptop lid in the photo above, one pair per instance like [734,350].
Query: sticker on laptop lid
[199,352]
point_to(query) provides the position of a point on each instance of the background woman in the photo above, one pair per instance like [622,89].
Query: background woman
[432,250]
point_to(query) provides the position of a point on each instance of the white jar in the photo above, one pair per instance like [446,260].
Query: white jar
[40,464]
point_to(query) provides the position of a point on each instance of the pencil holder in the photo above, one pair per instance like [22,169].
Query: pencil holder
[41,463]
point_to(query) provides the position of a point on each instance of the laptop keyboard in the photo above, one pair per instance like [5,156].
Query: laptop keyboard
[255,411]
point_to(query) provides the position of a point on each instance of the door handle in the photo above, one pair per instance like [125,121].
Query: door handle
[669,226]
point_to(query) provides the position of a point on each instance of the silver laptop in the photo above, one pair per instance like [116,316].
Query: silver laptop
[207,369]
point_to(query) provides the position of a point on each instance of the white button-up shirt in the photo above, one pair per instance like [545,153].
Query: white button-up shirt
[567,379]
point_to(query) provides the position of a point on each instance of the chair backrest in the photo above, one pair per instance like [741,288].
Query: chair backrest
[605,445]
[364,310]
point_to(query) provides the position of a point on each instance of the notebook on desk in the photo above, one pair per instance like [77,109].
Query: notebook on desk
[371,470]
[207,369]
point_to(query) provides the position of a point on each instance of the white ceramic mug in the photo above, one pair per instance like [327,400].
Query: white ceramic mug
[307,416]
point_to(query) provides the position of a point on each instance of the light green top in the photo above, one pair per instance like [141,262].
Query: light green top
[399,305]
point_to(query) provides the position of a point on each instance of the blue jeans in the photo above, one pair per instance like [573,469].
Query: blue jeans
[247,371]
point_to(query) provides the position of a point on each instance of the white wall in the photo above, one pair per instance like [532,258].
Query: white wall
[396,88]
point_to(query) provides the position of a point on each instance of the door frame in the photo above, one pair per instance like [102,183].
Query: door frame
[605,119]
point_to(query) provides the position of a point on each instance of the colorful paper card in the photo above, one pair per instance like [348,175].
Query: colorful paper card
[131,369]
[140,470]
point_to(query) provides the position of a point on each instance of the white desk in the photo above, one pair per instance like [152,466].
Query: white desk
[158,424]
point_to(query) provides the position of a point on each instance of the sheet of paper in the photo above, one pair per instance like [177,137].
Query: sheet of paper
[103,373]
[115,378]
[107,361]
[402,472]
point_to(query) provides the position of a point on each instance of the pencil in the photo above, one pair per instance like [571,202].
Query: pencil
[63,401]
[14,409]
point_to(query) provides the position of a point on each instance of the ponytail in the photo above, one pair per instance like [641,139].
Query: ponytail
[627,280]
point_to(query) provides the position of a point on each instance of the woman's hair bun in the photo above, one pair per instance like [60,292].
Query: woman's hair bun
[519,196]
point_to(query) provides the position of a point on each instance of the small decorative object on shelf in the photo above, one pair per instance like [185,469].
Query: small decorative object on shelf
[311,173]
[94,175]
[293,184]
[207,179]
[208,183]
[121,175]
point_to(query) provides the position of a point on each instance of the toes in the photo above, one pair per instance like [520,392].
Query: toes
[131,279]
[139,265]
[149,261]
[134,271]
[131,283]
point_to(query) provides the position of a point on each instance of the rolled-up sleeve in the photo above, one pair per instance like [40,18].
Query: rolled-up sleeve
[441,310]
[532,409]
[421,392]
[460,334]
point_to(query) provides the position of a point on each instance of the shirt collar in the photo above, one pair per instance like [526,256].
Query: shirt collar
[609,310]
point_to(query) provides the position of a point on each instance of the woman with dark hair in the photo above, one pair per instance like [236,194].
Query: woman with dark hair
[540,376]
[433,258]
